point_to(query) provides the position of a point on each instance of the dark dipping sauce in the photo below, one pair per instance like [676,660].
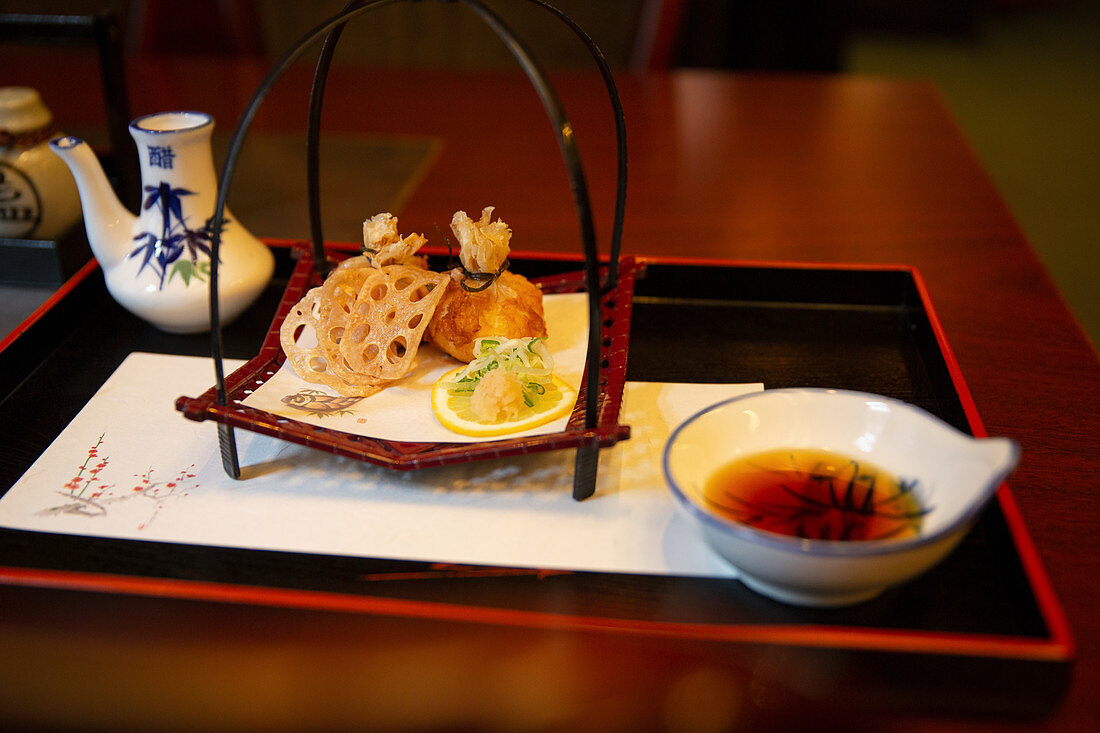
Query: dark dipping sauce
[815,494]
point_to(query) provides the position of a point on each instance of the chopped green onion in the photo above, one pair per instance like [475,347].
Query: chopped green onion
[526,357]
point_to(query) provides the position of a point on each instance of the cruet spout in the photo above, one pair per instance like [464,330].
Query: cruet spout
[107,222]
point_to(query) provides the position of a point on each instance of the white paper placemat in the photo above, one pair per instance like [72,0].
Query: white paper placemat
[129,466]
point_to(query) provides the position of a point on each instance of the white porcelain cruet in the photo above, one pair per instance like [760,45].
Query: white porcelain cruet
[157,263]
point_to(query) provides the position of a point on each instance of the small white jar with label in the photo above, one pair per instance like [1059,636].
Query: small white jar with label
[38,196]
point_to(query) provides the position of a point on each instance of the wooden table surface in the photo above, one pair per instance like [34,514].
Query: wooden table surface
[754,167]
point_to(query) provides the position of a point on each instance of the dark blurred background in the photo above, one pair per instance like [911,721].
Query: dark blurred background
[1022,77]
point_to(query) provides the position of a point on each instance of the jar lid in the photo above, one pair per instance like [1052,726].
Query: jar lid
[22,110]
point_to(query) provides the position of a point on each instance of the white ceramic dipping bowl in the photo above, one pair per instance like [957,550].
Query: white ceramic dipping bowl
[955,476]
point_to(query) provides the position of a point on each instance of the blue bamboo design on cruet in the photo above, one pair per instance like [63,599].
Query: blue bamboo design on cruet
[163,249]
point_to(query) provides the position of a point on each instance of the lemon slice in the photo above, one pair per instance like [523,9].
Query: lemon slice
[454,412]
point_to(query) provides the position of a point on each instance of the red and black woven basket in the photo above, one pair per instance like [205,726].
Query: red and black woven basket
[594,422]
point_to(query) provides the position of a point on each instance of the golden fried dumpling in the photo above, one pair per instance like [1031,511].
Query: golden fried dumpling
[509,308]
[483,299]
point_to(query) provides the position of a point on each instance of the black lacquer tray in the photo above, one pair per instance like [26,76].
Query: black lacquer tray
[983,630]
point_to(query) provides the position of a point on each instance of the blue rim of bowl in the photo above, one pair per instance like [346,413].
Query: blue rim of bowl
[208,120]
[827,547]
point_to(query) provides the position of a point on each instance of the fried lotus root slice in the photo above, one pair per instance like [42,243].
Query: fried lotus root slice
[394,306]
[337,303]
[307,357]
[509,308]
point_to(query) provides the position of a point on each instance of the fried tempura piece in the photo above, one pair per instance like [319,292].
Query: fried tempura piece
[368,318]
[386,323]
[483,244]
[384,246]
[511,307]
[310,362]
